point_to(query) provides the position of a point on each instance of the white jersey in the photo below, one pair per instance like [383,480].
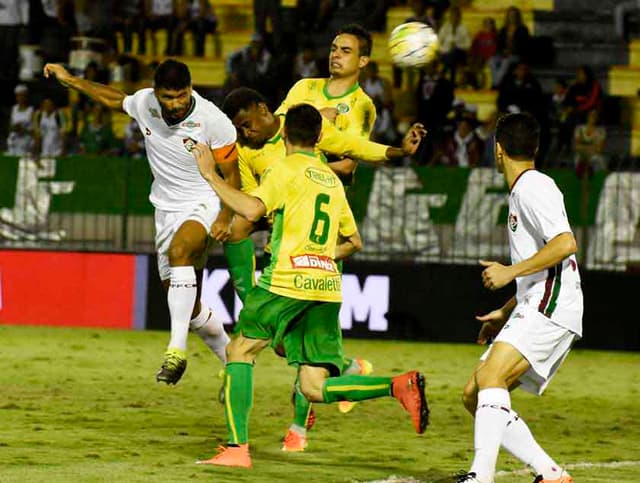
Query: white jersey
[536,215]
[177,183]
[52,127]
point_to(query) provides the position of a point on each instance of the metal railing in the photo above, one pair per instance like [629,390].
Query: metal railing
[424,214]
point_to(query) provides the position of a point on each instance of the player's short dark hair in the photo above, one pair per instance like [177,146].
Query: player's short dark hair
[364,37]
[519,135]
[241,99]
[172,74]
[303,124]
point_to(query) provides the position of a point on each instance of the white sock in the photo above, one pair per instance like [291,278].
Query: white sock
[519,441]
[492,415]
[211,331]
[181,299]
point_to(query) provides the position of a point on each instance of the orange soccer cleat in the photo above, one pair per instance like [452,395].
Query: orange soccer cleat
[230,456]
[408,389]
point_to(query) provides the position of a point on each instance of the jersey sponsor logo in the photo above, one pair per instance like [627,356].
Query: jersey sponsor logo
[513,222]
[189,143]
[147,131]
[321,284]
[190,124]
[320,262]
[154,112]
[343,108]
[321,177]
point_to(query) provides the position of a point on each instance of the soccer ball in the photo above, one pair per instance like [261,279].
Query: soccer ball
[413,44]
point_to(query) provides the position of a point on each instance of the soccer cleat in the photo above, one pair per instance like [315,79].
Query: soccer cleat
[408,389]
[466,478]
[230,456]
[174,365]
[366,368]
[294,442]
[564,478]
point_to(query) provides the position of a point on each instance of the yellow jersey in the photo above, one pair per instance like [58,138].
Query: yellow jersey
[356,111]
[310,210]
[252,163]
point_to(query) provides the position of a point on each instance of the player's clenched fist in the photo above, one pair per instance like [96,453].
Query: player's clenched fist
[495,275]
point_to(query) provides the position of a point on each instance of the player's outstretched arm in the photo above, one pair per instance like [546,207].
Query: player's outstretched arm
[105,95]
[343,144]
[246,205]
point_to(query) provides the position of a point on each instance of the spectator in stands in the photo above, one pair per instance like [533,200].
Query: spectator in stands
[20,140]
[483,47]
[370,14]
[434,97]
[161,14]
[81,107]
[131,19]
[379,90]
[253,66]
[133,140]
[97,133]
[268,12]
[621,14]
[52,28]
[96,19]
[486,132]
[14,17]
[306,64]
[198,17]
[589,142]
[521,89]
[50,129]
[513,45]
[583,95]
[462,148]
[454,43]
[558,113]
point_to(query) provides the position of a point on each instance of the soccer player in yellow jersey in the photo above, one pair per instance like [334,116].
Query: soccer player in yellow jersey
[297,300]
[340,96]
[260,144]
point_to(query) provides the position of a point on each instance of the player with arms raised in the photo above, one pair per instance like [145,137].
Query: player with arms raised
[297,300]
[535,329]
[173,118]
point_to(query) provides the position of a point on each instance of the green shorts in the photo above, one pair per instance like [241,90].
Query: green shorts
[308,330]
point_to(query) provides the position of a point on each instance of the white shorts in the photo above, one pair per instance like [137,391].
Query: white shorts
[167,224]
[543,343]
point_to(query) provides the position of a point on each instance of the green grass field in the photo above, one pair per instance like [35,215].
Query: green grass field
[82,406]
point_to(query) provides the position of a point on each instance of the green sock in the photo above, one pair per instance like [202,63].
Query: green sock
[242,265]
[355,388]
[301,408]
[238,394]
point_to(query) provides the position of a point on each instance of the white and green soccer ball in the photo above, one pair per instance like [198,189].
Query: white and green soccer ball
[413,44]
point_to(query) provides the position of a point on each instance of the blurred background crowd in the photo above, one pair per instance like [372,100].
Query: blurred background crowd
[501,62]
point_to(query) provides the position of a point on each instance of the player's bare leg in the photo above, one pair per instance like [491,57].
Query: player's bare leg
[187,247]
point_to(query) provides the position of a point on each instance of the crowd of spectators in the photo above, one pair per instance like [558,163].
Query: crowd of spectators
[289,43]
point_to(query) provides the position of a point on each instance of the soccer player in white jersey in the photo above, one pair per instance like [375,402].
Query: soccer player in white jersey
[534,331]
[173,119]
